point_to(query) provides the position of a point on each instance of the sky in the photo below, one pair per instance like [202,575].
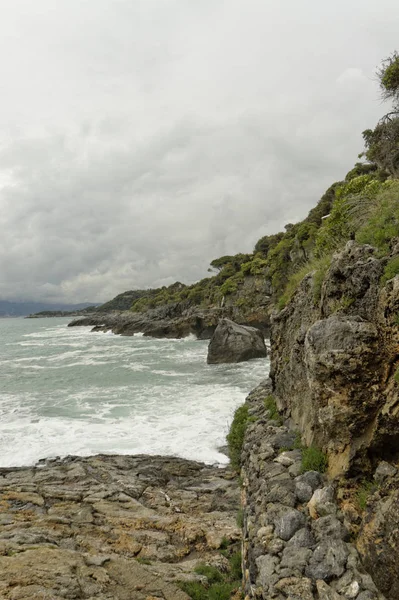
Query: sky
[140,139]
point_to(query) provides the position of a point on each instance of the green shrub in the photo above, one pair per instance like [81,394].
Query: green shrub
[235,437]
[313,459]
[382,222]
[319,266]
[212,574]
[390,270]
[235,566]
[221,591]
[322,265]
[271,406]
[194,589]
[396,376]
[228,287]
[365,490]
[143,560]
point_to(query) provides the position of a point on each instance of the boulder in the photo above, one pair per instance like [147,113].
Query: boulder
[232,343]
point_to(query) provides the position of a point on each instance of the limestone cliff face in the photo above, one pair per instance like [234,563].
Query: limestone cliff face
[333,363]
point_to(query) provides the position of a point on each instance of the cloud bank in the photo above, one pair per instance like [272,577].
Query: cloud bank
[140,140]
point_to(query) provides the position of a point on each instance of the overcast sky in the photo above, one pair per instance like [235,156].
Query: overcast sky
[140,139]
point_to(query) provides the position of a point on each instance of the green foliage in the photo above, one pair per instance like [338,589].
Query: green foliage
[360,169]
[235,437]
[228,261]
[396,376]
[388,75]
[271,406]
[319,267]
[382,218]
[256,266]
[391,270]
[339,226]
[313,459]
[143,560]
[219,585]
[212,574]
[298,441]
[195,590]
[322,265]
[266,243]
[365,490]
[382,145]
[235,566]
[228,287]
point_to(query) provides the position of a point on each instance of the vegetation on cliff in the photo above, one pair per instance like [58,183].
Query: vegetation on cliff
[363,206]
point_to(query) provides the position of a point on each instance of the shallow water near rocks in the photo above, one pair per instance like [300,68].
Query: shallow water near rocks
[69,391]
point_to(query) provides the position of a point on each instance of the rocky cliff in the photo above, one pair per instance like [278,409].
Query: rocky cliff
[334,382]
[334,362]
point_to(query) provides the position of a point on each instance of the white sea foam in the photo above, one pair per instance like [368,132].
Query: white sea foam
[67,391]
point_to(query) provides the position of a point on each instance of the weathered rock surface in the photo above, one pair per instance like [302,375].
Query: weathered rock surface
[378,539]
[232,343]
[295,544]
[84,527]
[333,362]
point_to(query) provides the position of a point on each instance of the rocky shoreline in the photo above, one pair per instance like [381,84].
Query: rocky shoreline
[171,321]
[113,527]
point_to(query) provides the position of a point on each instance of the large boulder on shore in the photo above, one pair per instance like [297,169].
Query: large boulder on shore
[232,343]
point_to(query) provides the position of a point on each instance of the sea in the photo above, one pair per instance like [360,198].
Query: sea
[69,391]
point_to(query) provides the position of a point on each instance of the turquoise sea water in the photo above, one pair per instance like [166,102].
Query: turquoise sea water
[69,391]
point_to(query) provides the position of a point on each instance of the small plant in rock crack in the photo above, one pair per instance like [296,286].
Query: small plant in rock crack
[271,406]
[365,490]
[314,459]
[235,437]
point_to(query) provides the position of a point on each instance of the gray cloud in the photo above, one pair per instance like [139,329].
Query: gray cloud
[140,140]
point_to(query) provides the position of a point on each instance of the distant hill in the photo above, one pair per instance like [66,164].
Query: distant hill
[22,309]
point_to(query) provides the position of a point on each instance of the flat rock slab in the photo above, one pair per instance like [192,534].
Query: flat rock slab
[112,527]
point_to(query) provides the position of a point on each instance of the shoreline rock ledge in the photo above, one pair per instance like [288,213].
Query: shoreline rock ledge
[232,343]
[113,527]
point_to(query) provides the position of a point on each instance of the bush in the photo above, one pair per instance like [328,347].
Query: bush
[194,589]
[313,459]
[212,574]
[221,591]
[235,437]
[391,270]
[383,218]
[365,490]
[235,566]
[271,406]
[319,267]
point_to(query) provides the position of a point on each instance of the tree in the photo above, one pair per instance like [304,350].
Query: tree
[388,75]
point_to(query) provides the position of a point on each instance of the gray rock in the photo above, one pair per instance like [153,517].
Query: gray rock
[326,592]
[314,479]
[366,595]
[296,588]
[295,558]
[329,527]
[322,502]
[328,560]
[266,568]
[303,538]
[232,343]
[384,471]
[303,491]
[289,524]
